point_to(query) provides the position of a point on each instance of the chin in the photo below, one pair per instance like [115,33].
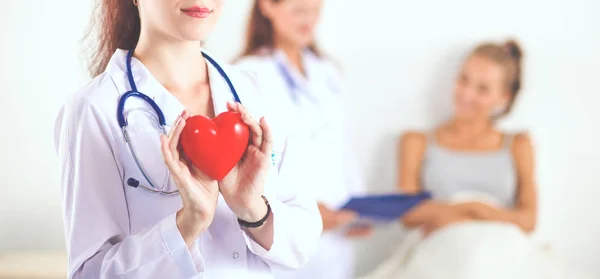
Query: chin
[194,32]
[304,41]
[463,115]
[307,43]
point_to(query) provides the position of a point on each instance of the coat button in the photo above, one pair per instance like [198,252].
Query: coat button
[236,255]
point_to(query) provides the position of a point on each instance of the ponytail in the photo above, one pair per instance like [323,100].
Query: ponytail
[515,52]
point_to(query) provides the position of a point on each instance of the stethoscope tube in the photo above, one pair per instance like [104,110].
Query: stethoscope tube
[132,182]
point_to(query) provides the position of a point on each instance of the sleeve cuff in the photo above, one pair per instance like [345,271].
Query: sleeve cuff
[288,249]
[197,257]
[189,260]
[256,248]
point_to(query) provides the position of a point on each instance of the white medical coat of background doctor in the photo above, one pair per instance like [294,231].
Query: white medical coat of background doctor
[116,231]
[314,117]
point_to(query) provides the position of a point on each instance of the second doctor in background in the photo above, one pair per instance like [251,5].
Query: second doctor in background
[304,90]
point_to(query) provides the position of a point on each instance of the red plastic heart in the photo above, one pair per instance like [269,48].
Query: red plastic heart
[216,145]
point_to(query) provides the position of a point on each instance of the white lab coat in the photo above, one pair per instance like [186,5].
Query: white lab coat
[318,145]
[116,231]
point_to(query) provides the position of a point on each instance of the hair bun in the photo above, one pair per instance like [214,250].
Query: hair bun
[514,49]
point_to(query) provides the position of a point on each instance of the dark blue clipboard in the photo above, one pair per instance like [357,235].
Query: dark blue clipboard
[384,208]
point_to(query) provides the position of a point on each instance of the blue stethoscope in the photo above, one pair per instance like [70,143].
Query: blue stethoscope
[293,87]
[289,80]
[296,92]
[161,121]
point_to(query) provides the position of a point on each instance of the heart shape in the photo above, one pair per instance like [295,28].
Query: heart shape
[216,145]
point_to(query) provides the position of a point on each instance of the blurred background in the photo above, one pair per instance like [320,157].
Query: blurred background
[399,60]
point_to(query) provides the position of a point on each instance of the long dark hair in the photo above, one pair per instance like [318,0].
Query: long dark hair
[115,24]
[260,33]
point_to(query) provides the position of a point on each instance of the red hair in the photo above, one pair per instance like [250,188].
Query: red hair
[115,25]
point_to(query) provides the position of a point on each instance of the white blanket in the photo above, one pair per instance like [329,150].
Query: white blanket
[472,250]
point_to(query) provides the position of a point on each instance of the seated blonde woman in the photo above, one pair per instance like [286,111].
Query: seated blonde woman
[482,181]
[469,154]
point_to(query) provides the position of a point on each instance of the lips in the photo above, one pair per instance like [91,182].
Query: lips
[197,12]
[305,30]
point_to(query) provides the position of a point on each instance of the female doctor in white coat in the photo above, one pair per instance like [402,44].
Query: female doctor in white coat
[125,220]
[304,91]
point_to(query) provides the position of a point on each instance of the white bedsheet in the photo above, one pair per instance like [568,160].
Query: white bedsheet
[473,250]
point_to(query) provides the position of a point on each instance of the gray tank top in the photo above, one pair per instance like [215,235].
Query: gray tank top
[446,172]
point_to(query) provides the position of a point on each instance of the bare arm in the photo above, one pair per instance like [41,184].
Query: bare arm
[524,214]
[411,151]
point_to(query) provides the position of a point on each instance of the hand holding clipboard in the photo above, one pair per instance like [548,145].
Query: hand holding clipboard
[384,208]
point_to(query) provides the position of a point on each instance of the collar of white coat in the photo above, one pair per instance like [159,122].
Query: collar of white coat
[309,61]
[171,107]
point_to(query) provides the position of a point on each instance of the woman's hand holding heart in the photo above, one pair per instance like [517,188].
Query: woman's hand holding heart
[199,193]
[242,188]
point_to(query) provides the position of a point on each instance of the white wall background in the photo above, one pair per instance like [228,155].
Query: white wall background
[399,58]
